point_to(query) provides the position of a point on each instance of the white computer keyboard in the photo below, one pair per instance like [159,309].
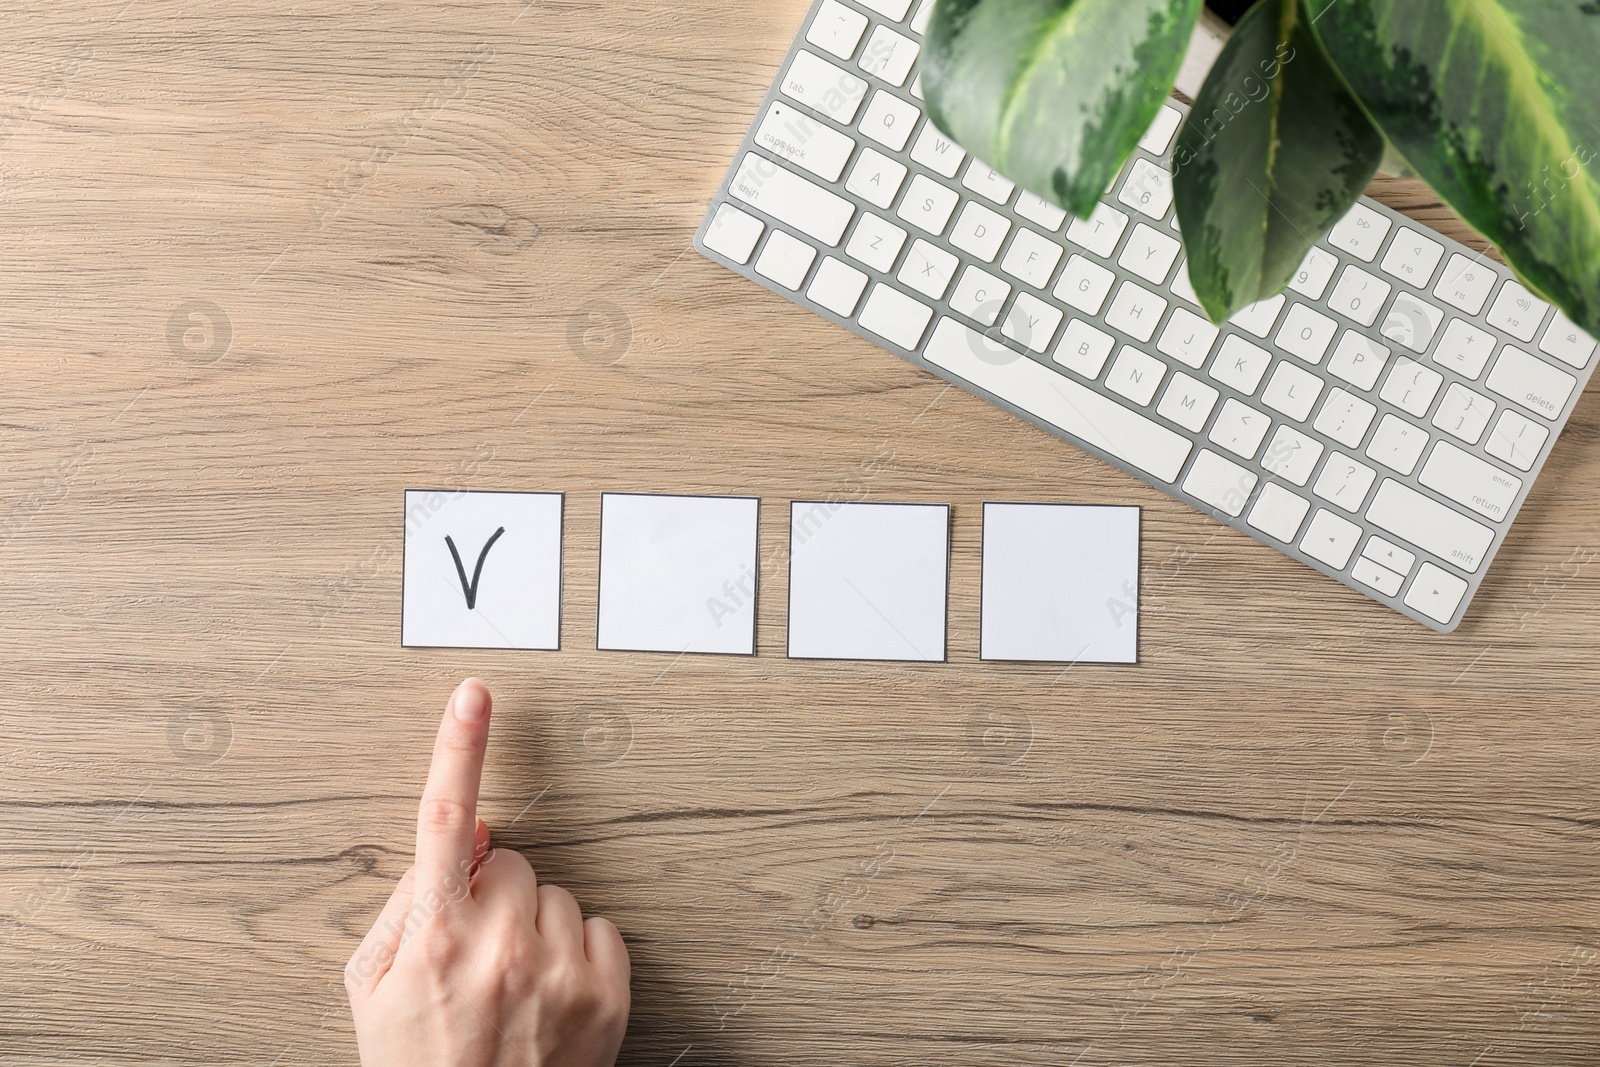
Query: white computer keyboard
[1382,421]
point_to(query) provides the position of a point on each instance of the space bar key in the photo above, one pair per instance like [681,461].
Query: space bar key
[1058,400]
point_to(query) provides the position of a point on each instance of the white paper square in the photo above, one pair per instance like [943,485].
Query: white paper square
[678,573]
[1060,583]
[868,581]
[517,595]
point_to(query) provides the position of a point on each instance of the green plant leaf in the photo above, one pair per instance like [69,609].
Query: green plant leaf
[1273,154]
[1496,104]
[1054,94]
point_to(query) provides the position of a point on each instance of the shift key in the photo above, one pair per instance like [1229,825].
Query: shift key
[791,199]
[1471,482]
[1430,525]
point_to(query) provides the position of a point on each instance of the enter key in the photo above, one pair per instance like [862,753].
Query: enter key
[1471,482]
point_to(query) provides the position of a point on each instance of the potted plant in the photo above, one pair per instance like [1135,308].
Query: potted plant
[1494,103]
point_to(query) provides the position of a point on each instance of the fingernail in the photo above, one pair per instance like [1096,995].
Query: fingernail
[471,702]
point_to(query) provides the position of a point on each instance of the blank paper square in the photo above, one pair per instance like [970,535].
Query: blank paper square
[868,581]
[481,570]
[678,573]
[1060,583]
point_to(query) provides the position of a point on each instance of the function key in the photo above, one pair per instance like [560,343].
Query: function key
[919,21]
[1566,342]
[1158,138]
[1517,311]
[1466,284]
[1412,258]
[1360,233]
[889,9]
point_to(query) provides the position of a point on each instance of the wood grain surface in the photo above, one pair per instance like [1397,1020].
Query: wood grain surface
[266,265]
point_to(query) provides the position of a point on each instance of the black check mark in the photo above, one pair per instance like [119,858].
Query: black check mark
[471,588]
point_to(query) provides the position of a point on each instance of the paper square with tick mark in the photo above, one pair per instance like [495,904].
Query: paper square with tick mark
[868,581]
[481,570]
[1060,583]
[677,574]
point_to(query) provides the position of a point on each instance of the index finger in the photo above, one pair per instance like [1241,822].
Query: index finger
[447,820]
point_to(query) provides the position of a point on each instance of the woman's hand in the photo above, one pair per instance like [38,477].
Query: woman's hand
[472,963]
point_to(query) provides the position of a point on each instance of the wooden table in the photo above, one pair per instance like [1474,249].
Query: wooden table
[267,265]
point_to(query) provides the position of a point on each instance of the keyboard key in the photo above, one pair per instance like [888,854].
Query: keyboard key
[1412,323]
[1240,429]
[919,23]
[1240,364]
[876,242]
[1032,323]
[987,182]
[1470,482]
[1360,233]
[1344,481]
[928,269]
[1158,138]
[1331,540]
[928,205]
[791,199]
[1040,211]
[1149,254]
[916,87]
[1307,334]
[837,29]
[1315,272]
[937,152]
[1431,526]
[1075,409]
[1358,360]
[1463,413]
[1517,311]
[1292,391]
[1100,232]
[824,87]
[1566,342]
[1398,444]
[876,178]
[1182,286]
[819,148]
[889,55]
[1436,593]
[980,232]
[1084,349]
[1279,513]
[1135,311]
[894,10]
[1259,317]
[1188,402]
[1148,189]
[1359,295]
[1136,375]
[734,234]
[1345,418]
[980,295]
[1412,258]
[1465,284]
[837,287]
[785,260]
[1033,259]
[1085,285]
[1531,382]
[1464,348]
[1411,387]
[1389,554]
[1292,455]
[1188,338]
[1517,439]
[895,317]
[1377,577]
[889,120]
[1220,483]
